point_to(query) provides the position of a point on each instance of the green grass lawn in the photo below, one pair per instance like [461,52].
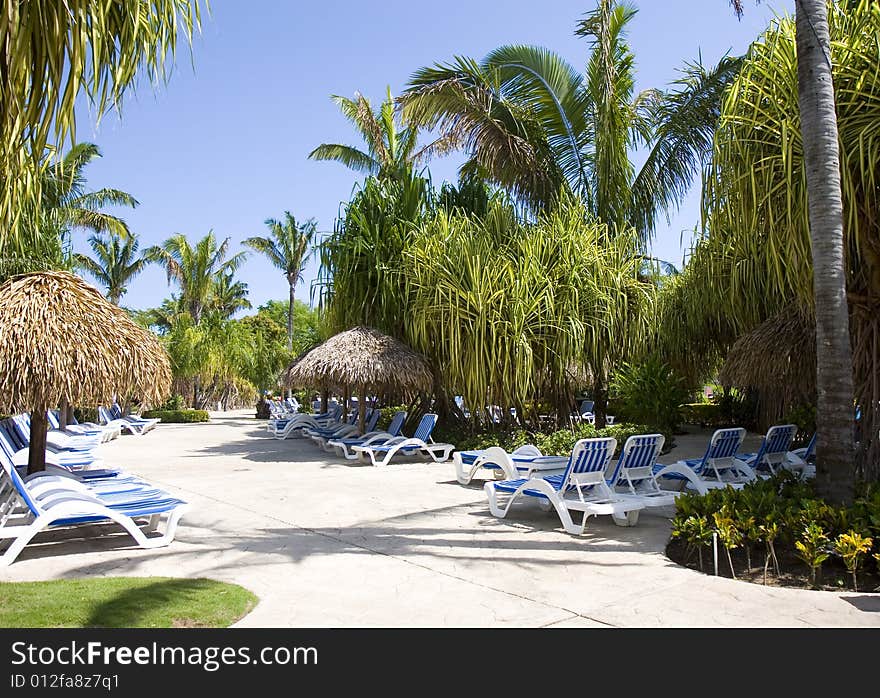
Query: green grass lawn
[123,602]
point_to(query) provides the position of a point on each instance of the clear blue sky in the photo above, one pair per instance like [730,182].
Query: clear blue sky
[224,144]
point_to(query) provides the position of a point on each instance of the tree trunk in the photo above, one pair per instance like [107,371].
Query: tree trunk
[835,454]
[290,316]
[195,402]
[362,410]
[37,449]
[63,413]
[325,396]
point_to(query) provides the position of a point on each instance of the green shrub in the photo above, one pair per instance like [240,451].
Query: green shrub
[177,416]
[650,392]
[738,408]
[779,517]
[562,442]
[386,414]
[705,414]
[174,403]
[86,414]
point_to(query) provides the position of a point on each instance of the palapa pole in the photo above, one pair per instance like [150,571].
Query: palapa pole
[37,447]
[362,409]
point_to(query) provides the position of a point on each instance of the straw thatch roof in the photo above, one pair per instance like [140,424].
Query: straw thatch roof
[778,359]
[61,339]
[362,358]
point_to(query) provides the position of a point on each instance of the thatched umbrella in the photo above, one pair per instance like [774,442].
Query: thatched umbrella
[61,340]
[778,359]
[366,360]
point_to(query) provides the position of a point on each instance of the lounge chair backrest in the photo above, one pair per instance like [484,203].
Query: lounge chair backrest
[9,476]
[397,423]
[7,426]
[528,451]
[639,452]
[426,426]
[722,448]
[587,406]
[776,444]
[373,419]
[22,424]
[104,415]
[54,419]
[588,462]
[811,447]
[116,411]
[7,444]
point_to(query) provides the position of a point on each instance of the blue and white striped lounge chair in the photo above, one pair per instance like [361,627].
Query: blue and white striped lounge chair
[581,487]
[295,426]
[144,424]
[26,510]
[495,461]
[17,434]
[717,468]
[102,433]
[632,475]
[123,424]
[55,438]
[802,460]
[420,443]
[322,436]
[772,454]
[343,447]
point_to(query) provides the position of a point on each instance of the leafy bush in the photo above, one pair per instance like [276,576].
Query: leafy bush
[782,517]
[562,442]
[386,414]
[469,440]
[650,392]
[177,416]
[86,414]
[738,408]
[174,403]
[706,414]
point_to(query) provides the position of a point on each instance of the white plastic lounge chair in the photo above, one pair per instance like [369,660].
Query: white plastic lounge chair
[16,438]
[717,468]
[802,460]
[772,454]
[322,436]
[123,424]
[145,424]
[632,475]
[495,461]
[26,510]
[102,433]
[419,444]
[581,487]
[343,447]
[296,425]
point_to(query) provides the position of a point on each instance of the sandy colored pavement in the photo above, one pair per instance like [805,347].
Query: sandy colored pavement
[331,543]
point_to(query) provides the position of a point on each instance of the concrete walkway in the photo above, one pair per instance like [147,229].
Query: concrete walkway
[329,543]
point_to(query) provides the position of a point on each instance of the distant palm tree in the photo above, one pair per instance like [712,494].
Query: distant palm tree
[195,269]
[115,264]
[230,296]
[288,247]
[391,147]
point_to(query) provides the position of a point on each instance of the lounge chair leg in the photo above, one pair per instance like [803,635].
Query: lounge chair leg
[153,523]
[630,518]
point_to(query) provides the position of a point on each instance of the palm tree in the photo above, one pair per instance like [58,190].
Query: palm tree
[230,296]
[115,264]
[195,268]
[535,126]
[65,205]
[391,147]
[835,472]
[288,247]
[54,51]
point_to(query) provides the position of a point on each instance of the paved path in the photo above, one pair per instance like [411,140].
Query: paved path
[325,543]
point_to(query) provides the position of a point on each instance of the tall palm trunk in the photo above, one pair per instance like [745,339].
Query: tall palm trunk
[290,314]
[835,454]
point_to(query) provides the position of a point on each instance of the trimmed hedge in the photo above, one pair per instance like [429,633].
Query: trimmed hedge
[177,416]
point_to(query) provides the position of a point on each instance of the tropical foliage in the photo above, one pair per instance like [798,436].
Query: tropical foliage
[115,263]
[392,148]
[756,262]
[54,52]
[65,205]
[288,247]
